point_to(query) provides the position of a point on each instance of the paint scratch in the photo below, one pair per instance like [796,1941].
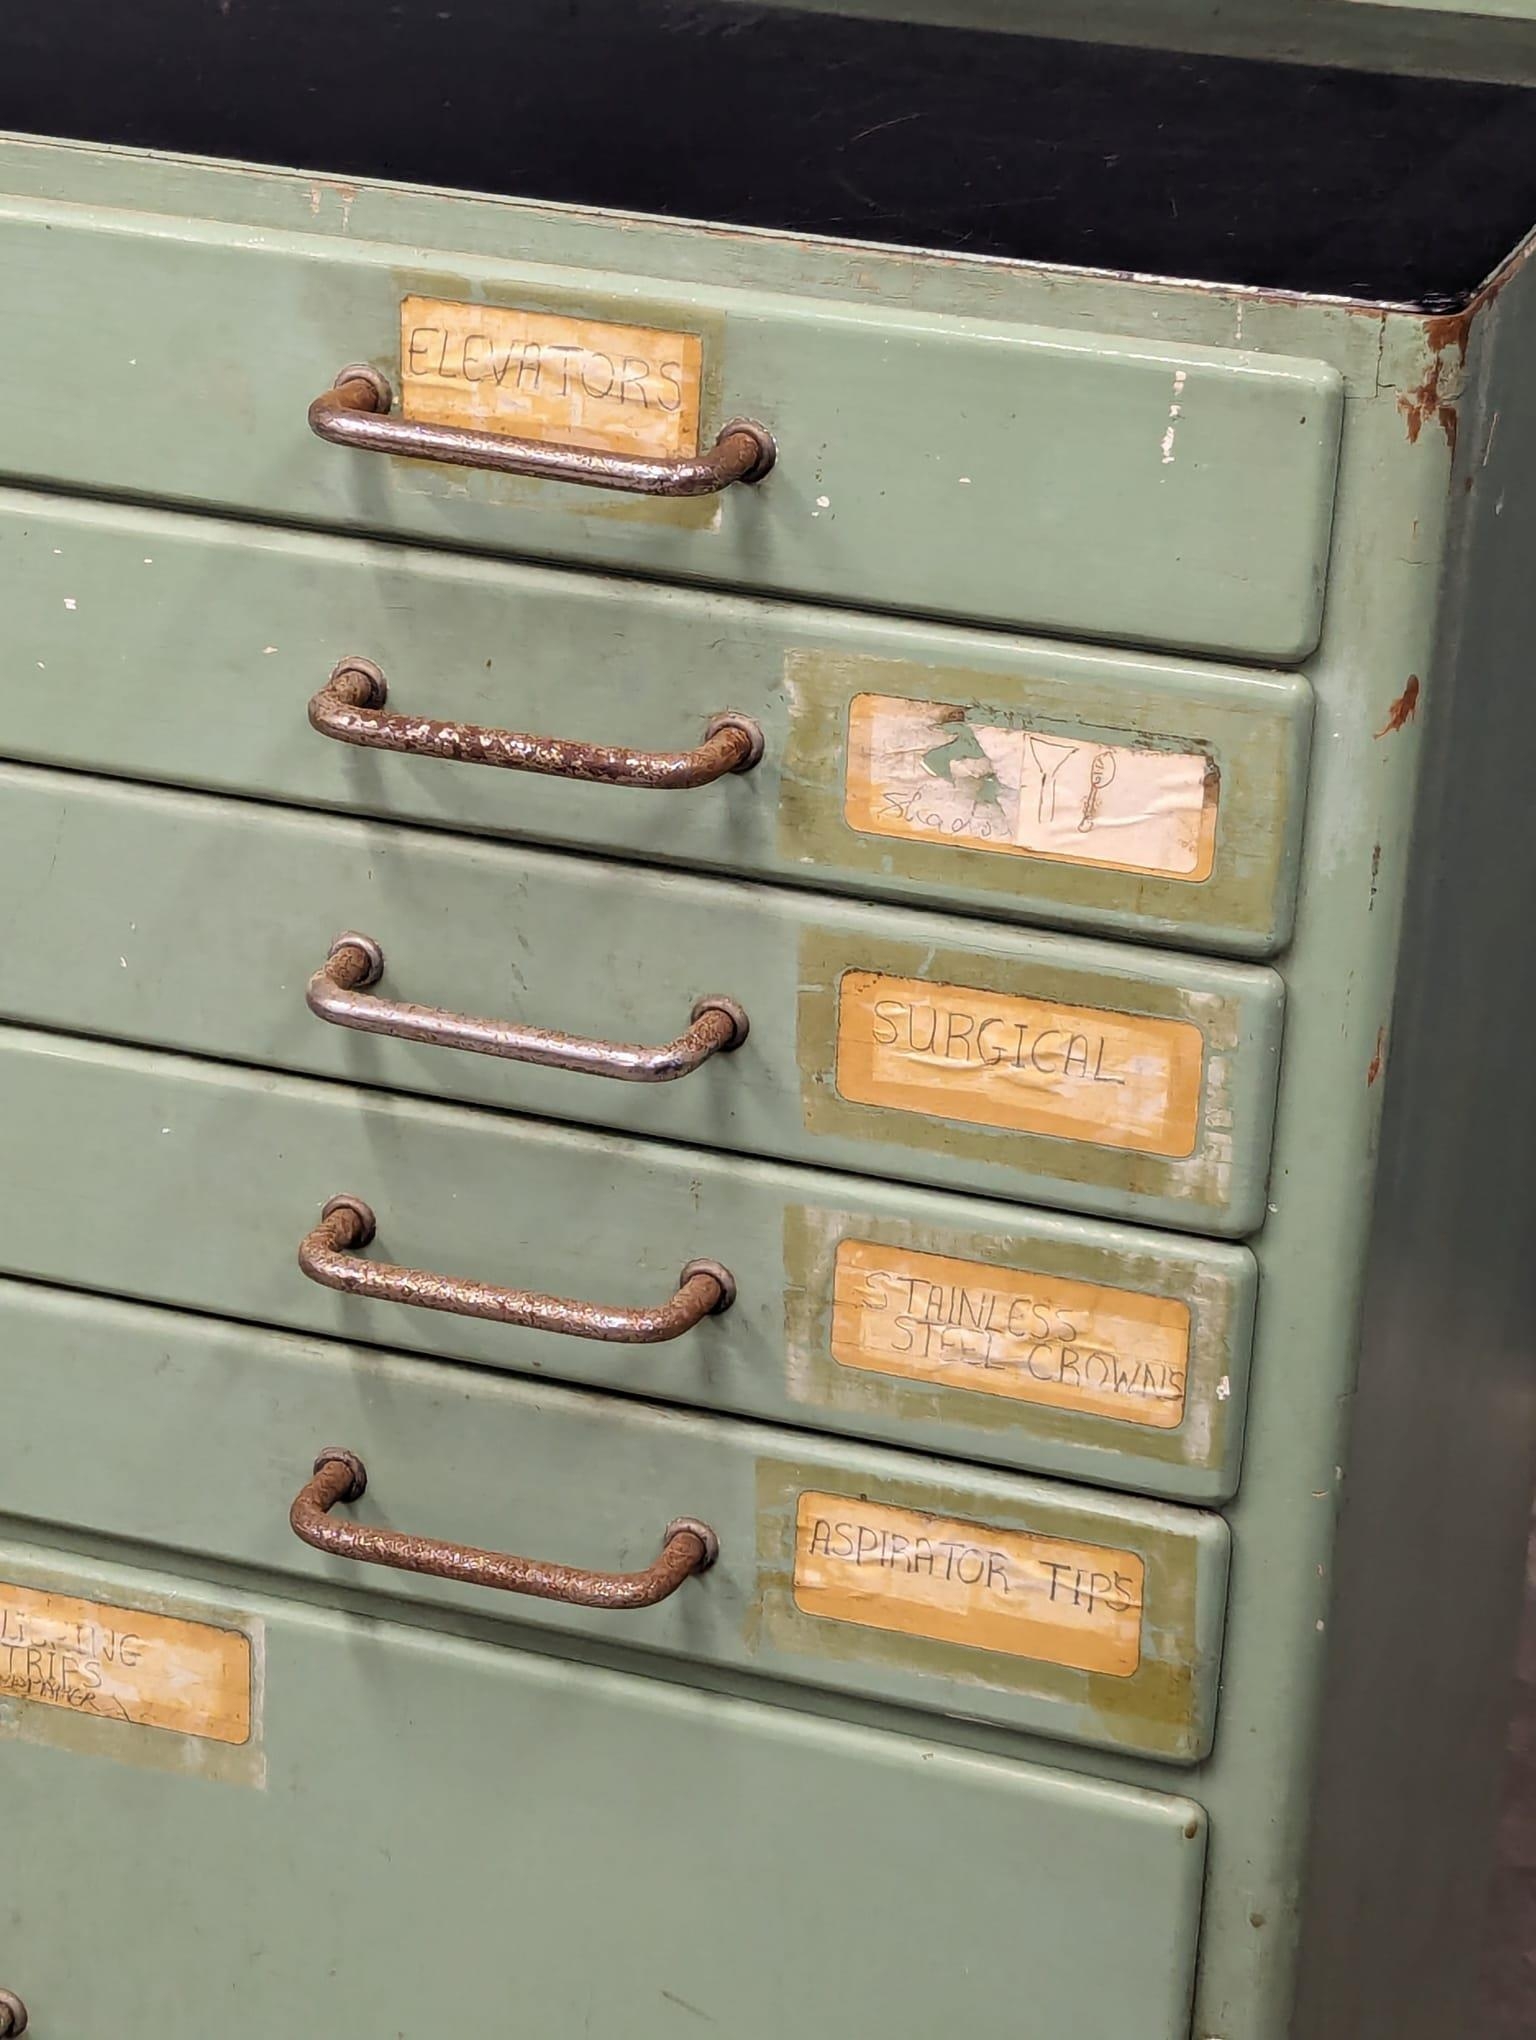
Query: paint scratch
[1175,412]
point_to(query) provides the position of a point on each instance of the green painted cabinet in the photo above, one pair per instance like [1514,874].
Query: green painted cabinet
[649,665]
[1108,1079]
[1023,1455]
[915,1318]
[700,1858]
[1110,1632]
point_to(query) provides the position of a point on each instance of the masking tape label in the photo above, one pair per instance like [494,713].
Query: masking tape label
[546,376]
[124,1664]
[937,772]
[1112,1079]
[1002,1331]
[1029,1596]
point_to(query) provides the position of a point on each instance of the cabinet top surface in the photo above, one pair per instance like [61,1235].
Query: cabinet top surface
[972,140]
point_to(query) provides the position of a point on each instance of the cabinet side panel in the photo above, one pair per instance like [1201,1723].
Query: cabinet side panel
[1433,1528]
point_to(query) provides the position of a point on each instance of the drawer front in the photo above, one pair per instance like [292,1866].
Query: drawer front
[1092,1618]
[1029,780]
[1010,474]
[863,1308]
[1101,1078]
[648,1872]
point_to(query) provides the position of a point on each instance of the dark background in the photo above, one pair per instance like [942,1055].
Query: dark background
[1221,169]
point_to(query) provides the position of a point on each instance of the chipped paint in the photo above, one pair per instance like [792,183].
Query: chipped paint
[1378,1060]
[1403,711]
[1427,403]
[1175,412]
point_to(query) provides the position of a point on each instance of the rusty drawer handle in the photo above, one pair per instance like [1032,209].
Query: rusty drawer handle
[350,708]
[13,2015]
[687,1547]
[355,410]
[331,1255]
[338,992]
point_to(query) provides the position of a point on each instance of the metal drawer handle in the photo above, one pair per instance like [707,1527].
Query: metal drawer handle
[331,1254]
[350,708]
[338,992]
[355,412]
[13,2015]
[687,1547]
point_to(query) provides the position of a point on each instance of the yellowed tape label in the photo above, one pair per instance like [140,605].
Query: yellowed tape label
[123,1664]
[1026,1065]
[542,375]
[1045,1598]
[1001,1331]
[934,771]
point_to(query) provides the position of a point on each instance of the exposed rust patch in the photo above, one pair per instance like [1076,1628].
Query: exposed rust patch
[1404,710]
[1427,404]
[1378,1060]
[1452,331]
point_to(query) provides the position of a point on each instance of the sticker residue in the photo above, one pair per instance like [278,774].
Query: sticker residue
[932,771]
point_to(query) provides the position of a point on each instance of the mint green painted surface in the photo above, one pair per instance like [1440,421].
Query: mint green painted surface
[167,1179]
[911,448]
[457,1838]
[1437,1504]
[199,1436]
[196,923]
[610,662]
[1396,1239]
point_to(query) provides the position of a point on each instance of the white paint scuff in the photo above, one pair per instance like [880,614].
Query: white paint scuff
[1175,413]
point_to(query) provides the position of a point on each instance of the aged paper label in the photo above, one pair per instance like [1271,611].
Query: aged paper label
[932,771]
[1027,1065]
[1001,1331]
[542,375]
[1045,1598]
[123,1664]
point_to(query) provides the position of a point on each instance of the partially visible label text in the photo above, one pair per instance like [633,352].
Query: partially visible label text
[124,1664]
[1000,1331]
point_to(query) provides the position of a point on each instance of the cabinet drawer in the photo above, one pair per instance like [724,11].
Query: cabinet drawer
[1011,474]
[1028,780]
[1085,1616]
[648,1872]
[862,1307]
[1093,1076]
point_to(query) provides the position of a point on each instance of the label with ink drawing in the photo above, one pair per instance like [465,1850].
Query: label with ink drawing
[1120,1080]
[547,376]
[1004,1331]
[933,771]
[125,1664]
[1028,1596]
